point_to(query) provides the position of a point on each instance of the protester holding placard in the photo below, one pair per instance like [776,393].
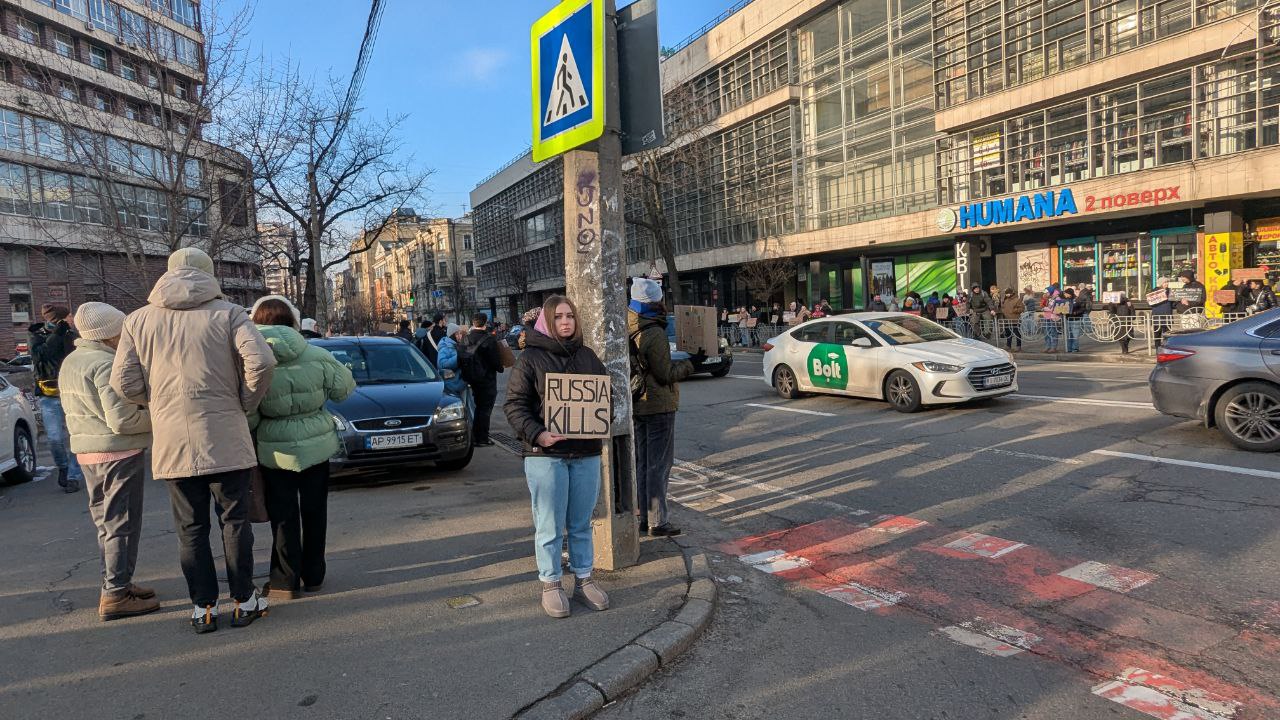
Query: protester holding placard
[563,474]
[1161,307]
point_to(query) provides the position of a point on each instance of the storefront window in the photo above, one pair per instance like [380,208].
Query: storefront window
[1079,263]
[1123,266]
[1175,251]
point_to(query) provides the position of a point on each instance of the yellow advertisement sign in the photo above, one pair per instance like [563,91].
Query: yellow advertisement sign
[1222,253]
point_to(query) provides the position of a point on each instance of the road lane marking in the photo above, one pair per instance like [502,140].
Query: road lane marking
[1164,697]
[987,546]
[1085,401]
[719,477]
[991,638]
[757,378]
[1270,474]
[790,410]
[1030,456]
[1111,577]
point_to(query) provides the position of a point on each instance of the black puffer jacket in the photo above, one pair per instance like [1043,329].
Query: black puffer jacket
[523,405]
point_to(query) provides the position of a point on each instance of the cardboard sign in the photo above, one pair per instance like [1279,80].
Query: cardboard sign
[1157,297]
[576,406]
[789,317]
[696,329]
[1247,274]
[1112,297]
[733,319]
[1224,297]
[1191,295]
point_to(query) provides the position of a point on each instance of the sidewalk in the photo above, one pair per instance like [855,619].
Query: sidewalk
[396,633]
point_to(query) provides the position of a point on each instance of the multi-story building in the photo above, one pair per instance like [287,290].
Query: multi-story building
[103,165]
[416,267]
[282,272]
[889,146]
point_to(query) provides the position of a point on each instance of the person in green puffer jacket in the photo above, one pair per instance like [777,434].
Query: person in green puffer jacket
[295,439]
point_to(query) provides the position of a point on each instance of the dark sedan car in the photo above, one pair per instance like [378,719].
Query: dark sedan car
[399,414]
[1227,378]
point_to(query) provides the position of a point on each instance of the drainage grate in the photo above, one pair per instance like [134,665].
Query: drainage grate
[507,442]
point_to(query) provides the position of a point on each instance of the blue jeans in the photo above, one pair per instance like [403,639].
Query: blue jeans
[55,427]
[1050,335]
[564,493]
[744,336]
[1073,334]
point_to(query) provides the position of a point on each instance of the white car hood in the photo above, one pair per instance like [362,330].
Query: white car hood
[960,351]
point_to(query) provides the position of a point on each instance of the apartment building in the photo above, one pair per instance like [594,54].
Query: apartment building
[103,165]
[889,146]
[413,268]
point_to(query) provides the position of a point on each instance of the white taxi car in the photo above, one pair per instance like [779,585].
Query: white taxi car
[17,434]
[904,359]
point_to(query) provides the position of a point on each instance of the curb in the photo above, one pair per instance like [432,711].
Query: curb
[623,669]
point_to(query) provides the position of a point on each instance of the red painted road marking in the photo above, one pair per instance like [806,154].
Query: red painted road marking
[984,545]
[1111,577]
[861,597]
[991,638]
[774,561]
[1163,697]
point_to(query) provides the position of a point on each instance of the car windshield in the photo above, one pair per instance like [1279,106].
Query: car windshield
[908,330]
[384,363]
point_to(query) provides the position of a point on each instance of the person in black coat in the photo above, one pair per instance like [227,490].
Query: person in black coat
[49,343]
[1161,311]
[487,363]
[1124,313]
[563,475]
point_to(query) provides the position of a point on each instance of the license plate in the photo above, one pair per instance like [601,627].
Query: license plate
[711,360]
[392,442]
[997,381]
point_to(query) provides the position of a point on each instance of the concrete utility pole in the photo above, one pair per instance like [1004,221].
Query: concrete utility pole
[596,279]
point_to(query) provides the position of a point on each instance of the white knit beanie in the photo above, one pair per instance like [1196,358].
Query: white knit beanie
[193,258]
[297,316]
[98,321]
[645,290]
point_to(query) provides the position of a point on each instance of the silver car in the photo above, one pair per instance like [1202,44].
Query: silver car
[17,434]
[1227,378]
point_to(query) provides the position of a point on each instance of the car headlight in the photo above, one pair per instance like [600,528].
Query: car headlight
[449,413]
[339,423]
[936,367]
[724,344]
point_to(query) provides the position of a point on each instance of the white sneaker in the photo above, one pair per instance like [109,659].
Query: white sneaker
[249,610]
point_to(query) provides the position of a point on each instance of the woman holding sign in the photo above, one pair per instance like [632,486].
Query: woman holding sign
[563,474]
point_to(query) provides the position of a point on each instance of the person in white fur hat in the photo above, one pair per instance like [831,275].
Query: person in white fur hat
[109,436]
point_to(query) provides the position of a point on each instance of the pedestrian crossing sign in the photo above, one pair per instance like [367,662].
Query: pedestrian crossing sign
[567,46]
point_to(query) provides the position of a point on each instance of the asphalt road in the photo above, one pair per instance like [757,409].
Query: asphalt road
[853,585]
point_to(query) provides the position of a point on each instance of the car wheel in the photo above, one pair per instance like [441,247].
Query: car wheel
[24,451]
[902,391]
[785,383]
[721,371]
[460,463]
[1249,416]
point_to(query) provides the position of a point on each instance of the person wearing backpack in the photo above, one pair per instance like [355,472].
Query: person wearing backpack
[655,400]
[480,362]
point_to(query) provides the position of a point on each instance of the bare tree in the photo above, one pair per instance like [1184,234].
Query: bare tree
[331,172]
[653,178]
[767,276]
[147,181]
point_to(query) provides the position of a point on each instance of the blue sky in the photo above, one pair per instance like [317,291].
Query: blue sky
[457,68]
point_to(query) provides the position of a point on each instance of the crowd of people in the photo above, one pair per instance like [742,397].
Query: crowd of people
[231,407]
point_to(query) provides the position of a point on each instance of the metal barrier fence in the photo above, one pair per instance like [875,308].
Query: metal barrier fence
[1098,331]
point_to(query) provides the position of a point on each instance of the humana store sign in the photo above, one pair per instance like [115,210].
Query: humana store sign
[1047,204]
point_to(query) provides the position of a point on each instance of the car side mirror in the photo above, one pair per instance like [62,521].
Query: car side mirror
[862,343]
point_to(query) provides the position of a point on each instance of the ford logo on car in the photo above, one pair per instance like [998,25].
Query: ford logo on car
[393,422]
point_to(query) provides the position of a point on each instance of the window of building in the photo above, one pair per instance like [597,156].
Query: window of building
[125,201]
[153,78]
[466,241]
[55,195]
[470,269]
[63,45]
[197,217]
[92,277]
[18,262]
[180,89]
[152,212]
[48,139]
[87,194]
[56,266]
[234,202]
[192,174]
[102,101]
[67,91]
[444,270]
[129,70]
[28,31]
[133,111]
[20,301]
[15,196]
[471,295]
[98,57]
[11,136]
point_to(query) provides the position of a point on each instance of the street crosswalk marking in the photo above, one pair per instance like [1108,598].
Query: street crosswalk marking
[1085,401]
[789,409]
[1191,463]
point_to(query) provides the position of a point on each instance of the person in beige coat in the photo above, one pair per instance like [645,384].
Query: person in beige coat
[200,365]
[109,436]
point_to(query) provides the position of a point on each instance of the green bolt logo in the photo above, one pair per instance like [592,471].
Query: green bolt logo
[828,367]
